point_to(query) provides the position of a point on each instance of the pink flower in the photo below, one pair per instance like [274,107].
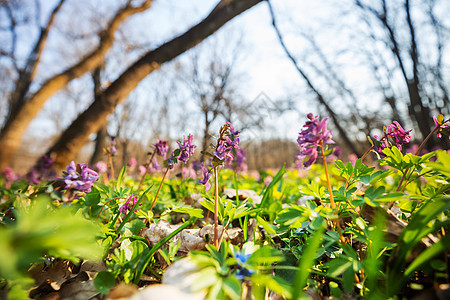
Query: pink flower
[101,167]
[132,163]
[443,126]
[396,133]
[128,206]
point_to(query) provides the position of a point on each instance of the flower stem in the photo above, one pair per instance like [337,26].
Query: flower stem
[159,188]
[330,192]
[111,166]
[146,170]
[216,208]
[362,159]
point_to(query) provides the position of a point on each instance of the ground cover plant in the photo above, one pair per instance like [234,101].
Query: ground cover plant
[326,228]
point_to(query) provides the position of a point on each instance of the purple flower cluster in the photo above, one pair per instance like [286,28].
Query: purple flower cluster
[128,206]
[225,144]
[314,133]
[443,126]
[187,148]
[227,141]
[238,163]
[161,148]
[206,175]
[111,150]
[79,177]
[394,132]
[41,171]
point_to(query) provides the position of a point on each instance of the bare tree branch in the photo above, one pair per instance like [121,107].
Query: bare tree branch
[26,75]
[15,127]
[308,81]
[94,117]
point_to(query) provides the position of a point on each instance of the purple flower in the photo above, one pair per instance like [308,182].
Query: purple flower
[41,170]
[128,206]
[161,148]
[78,177]
[187,148]
[45,163]
[155,166]
[443,127]
[206,175]
[225,144]
[337,151]
[314,133]
[235,133]
[197,165]
[33,176]
[396,133]
[112,150]
[240,158]
[9,176]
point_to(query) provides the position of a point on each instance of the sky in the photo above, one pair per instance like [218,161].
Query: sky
[267,70]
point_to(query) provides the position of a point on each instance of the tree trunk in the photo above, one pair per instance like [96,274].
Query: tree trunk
[100,144]
[26,75]
[100,139]
[19,119]
[94,117]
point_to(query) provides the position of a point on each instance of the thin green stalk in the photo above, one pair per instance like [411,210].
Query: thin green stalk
[159,188]
[216,208]
[146,260]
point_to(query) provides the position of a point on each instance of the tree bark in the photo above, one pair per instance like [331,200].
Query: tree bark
[100,139]
[18,121]
[26,75]
[94,117]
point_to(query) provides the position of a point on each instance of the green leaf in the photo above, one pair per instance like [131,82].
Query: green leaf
[428,254]
[146,259]
[232,287]
[268,190]
[267,227]
[306,262]
[120,178]
[293,216]
[416,229]
[104,281]
[207,203]
[193,212]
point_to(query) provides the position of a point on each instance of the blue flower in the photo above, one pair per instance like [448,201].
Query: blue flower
[242,272]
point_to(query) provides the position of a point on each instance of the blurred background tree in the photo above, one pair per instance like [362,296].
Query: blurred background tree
[75,73]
